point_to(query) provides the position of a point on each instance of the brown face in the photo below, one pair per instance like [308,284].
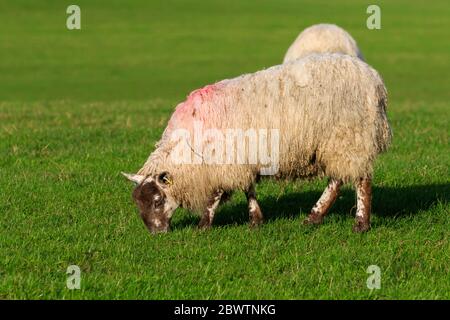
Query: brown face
[155,205]
[150,200]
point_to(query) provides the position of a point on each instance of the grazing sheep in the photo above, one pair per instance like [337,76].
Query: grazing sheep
[323,38]
[326,115]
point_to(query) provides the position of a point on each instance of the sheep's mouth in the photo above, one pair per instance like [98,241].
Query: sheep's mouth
[156,226]
[158,230]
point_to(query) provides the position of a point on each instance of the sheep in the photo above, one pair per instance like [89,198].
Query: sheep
[325,116]
[323,38]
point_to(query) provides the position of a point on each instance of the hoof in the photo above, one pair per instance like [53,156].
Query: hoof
[361,226]
[204,224]
[313,219]
[256,223]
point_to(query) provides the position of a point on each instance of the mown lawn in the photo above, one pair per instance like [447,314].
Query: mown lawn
[78,107]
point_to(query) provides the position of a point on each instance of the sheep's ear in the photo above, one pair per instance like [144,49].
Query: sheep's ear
[164,179]
[136,178]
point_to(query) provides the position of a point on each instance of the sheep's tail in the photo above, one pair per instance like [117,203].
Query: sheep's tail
[383,131]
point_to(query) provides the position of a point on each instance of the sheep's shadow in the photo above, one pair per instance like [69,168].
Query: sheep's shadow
[388,202]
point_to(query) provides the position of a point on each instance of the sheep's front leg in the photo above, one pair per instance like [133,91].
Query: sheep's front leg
[208,214]
[363,205]
[256,216]
[325,202]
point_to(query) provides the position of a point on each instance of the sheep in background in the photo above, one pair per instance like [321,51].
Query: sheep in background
[329,111]
[323,38]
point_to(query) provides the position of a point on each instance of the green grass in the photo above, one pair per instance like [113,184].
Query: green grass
[78,107]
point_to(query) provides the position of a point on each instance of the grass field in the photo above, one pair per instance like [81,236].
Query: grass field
[77,107]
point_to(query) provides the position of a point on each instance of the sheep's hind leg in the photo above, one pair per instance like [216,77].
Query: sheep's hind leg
[208,214]
[363,204]
[255,214]
[325,202]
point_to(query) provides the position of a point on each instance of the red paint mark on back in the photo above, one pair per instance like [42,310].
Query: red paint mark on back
[191,109]
[195,99]
[202,93]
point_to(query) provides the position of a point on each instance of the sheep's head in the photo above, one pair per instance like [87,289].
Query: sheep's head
[152,197]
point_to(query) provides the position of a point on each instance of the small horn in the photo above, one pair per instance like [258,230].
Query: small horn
[136,178]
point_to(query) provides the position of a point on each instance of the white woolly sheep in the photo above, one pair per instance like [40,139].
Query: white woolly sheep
[325,115]
[323,38]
